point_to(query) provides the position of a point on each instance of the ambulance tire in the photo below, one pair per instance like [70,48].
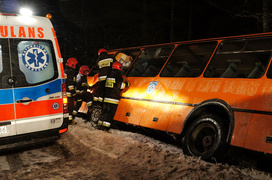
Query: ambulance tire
[206,138]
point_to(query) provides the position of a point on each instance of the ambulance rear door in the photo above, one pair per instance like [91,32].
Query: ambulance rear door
[37,86]
[7,111]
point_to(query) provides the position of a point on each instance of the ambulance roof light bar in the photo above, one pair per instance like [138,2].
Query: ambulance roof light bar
[25,12]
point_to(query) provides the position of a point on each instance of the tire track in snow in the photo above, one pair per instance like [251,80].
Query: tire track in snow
[4,165]
[14,161]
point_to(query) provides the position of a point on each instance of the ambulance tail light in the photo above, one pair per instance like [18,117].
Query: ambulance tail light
[65,100]
[7,14]
[63,130]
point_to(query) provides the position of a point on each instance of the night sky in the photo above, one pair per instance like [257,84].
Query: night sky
[84,26]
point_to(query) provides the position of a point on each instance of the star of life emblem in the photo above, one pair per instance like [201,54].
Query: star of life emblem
[151,87]
[55,106]
[35,57]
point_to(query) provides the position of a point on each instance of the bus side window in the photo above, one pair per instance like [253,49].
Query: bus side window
[168,71]
[269,72]
[257,70]
[231,71]
[137,70]
[150,71]
[189,60]
[248,61]
[210,72]
[185,71]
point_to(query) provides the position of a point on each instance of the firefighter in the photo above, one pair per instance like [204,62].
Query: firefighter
[104,67]
[113,87]
[82,91]
[70,77]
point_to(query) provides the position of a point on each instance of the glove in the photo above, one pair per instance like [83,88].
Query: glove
[127,84]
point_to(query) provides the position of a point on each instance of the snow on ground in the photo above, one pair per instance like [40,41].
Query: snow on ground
[88,153]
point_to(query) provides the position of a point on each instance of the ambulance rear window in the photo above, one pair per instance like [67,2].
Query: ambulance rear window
[37,61]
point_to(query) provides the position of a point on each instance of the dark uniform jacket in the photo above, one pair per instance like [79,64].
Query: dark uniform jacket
[70,77]
[82,93]
[104,64]
[81,83]
[113,87]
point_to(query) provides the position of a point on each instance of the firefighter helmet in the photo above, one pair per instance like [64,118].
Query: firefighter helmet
[117,65]
[101,51]
[84,70]
[72,62]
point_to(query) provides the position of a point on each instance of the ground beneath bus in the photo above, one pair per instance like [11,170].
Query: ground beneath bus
[86,153]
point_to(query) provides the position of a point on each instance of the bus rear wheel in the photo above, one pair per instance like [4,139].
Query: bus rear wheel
[205,138]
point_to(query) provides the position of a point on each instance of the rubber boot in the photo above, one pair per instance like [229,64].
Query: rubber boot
[73,122]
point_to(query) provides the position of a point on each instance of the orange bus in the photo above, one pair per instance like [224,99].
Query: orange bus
[210,93]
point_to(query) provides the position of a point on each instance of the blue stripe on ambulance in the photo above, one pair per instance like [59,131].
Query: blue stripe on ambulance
[39,91]
[6,96]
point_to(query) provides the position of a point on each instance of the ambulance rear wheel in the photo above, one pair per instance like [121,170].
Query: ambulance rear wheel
[205,138]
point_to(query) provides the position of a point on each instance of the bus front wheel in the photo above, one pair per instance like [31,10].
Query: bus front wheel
[205,138]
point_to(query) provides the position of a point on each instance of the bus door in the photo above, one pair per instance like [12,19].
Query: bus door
[140,104]
[36,87]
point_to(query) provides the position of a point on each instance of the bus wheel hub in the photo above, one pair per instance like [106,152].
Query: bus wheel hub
[207,141]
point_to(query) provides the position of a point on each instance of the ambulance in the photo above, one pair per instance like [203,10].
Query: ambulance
[33,102]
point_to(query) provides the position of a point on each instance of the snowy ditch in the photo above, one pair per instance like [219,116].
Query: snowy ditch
[86,153]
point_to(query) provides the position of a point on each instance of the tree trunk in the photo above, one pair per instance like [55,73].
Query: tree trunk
[145,22]
[267,17]
[172,21]
[190,24]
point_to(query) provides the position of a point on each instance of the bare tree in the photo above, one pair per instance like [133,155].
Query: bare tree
[267,16]
[247,9]
[172,22]
[145,21]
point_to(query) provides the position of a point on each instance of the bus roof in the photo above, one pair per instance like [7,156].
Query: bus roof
[195,41]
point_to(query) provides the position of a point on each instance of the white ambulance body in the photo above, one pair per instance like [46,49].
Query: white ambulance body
[32,84]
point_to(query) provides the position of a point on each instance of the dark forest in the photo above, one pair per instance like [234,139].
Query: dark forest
[84,26]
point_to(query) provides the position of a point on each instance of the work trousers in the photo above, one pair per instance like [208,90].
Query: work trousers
[108,113]
[86,97]
[70,107]
[99,93]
